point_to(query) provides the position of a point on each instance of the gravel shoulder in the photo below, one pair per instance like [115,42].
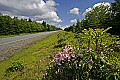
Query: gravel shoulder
[12,45]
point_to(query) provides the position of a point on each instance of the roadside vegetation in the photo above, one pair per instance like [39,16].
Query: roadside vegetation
[34,61]
[87,52]
[37,61]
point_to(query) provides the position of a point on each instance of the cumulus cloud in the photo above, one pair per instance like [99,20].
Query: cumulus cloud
[65,26]
[97,4]
[74,11]
[50,17]
[73,21]
[103,3]
[36,9]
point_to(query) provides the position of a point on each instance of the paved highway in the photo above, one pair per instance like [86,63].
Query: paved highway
[6,43]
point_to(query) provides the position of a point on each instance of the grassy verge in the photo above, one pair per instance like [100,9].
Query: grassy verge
[6,36]
[3,36]
[34,59]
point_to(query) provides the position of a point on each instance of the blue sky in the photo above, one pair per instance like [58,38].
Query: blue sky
[66,5]
[60,13]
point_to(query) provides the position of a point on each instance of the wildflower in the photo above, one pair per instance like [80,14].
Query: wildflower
[62,58]
[69,58]
[66,54]
[73,55]
[71,49]
[58,55]
[68,46]
[65,51]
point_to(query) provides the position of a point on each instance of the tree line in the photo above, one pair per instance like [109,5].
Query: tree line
[13,26]
[100,17]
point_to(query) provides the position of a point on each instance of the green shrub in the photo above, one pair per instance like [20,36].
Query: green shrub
[91,61]
[67,65]
[60,41]
[16,66]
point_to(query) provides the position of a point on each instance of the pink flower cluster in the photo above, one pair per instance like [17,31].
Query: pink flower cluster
[66,54]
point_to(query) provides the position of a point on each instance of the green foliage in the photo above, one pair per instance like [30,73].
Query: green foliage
[71,28]
[16,66]
[60,41]
[96,38]
[83,66]
[34,58]
[37,58]
[13,26]
[100,17]
[115,8]
[93,59]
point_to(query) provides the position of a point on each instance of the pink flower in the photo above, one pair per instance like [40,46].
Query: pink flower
[69,46]
[58,55]
[66,54]
[65,47]
[69,58]
[62,58]
[65,51]
[73,55]
[56,59]
[71,49]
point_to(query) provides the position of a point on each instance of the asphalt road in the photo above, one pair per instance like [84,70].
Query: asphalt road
[17,41]
[6,42]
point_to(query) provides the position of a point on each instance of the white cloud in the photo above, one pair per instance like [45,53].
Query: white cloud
[74,11]
[35,9]
[73,21]
[65,26]
[103,3]
[95,5]
[87,10]
[50,17]
[39,21]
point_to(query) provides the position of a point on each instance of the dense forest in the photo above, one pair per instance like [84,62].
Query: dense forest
[100,17]
[13,26]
